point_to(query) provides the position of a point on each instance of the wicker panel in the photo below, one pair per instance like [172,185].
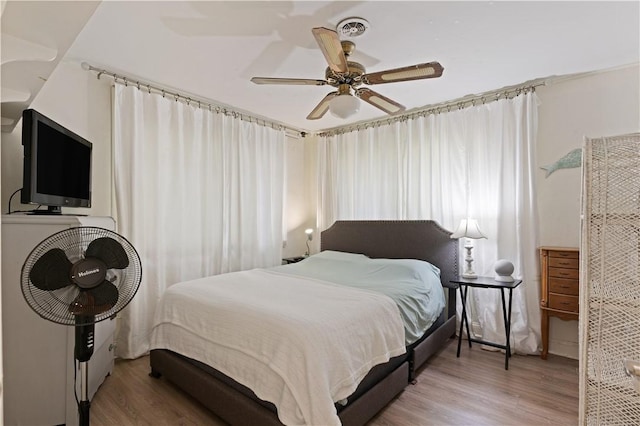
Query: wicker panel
[610,313]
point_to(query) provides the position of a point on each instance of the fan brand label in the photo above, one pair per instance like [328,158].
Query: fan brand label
[89,272]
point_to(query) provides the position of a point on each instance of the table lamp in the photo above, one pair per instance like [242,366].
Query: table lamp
[468,229]
[309,233]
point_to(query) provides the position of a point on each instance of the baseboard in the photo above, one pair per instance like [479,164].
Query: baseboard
[564,348]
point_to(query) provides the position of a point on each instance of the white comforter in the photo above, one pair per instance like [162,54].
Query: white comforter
[299,343]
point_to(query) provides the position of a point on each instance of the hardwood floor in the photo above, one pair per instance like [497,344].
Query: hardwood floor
[474,389]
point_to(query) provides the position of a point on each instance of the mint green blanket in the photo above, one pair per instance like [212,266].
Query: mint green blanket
[414,285]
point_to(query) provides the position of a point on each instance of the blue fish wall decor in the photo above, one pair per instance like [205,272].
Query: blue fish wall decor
[569,161]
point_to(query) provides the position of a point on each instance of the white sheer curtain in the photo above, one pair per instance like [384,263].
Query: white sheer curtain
[196,192]
[475,162]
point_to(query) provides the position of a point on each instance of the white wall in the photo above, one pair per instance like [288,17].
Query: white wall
[600,104]
[299,214]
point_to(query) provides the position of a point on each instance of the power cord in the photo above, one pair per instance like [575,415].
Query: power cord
[75,382]
[11,198]
[19,211]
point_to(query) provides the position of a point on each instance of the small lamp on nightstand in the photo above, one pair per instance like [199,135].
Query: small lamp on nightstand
[309,233]
[468,229]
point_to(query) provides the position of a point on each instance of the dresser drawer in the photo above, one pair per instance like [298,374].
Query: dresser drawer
[561,262]
[563,302]
[564,254]
[564,273]
[564,286]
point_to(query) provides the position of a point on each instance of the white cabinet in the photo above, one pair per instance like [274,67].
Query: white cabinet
[38,355]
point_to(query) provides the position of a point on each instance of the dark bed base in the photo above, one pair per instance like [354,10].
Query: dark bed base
[237,405]
[424,240]
[420,353]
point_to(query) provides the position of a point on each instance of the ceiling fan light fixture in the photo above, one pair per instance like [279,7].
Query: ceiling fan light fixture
[344,105]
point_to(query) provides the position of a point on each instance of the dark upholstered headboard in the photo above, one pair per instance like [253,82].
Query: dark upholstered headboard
[396,239]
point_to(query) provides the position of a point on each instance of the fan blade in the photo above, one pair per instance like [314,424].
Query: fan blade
[51,271]
[296,81]
[331,48]
[106,294]
[96,300]
[322,107]
[109,251]
[379,101]
[413,72]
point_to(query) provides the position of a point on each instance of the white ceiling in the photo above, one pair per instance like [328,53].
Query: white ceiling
[212,48]
[35,37]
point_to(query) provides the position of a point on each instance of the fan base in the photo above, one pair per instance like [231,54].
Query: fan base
[83,411]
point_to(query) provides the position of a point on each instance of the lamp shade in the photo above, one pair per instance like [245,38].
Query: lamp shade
[344,105]
[468,229]
[309,233]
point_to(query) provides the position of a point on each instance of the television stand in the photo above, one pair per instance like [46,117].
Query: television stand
[51,210]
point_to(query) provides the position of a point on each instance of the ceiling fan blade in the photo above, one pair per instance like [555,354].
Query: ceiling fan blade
[331,47]
[296,81]
[322,107]
[413,72]
[96,300]
[51,271]
[377,100]
[109,251]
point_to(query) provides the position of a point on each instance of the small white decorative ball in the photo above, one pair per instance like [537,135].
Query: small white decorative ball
[504,269]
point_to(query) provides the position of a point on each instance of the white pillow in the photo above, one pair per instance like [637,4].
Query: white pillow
[340,255]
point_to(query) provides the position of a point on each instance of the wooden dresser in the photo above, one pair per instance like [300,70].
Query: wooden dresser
[560,273]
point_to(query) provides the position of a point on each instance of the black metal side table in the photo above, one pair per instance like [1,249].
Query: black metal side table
[487,282]
[288,260]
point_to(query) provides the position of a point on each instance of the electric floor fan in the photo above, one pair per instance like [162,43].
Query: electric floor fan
[78,277]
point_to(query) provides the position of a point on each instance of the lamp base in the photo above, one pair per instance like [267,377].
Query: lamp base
[469,273]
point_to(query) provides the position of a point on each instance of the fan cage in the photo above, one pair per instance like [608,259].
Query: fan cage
[54,305]
[610,295]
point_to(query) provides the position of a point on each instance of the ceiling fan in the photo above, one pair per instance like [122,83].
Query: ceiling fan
[347,76]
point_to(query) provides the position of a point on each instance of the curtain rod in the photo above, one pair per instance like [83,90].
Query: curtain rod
[207,104]
[460,103]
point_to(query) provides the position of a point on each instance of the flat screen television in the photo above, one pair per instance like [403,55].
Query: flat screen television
[57,165]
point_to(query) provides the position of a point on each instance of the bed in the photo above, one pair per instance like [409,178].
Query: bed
[237,404]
